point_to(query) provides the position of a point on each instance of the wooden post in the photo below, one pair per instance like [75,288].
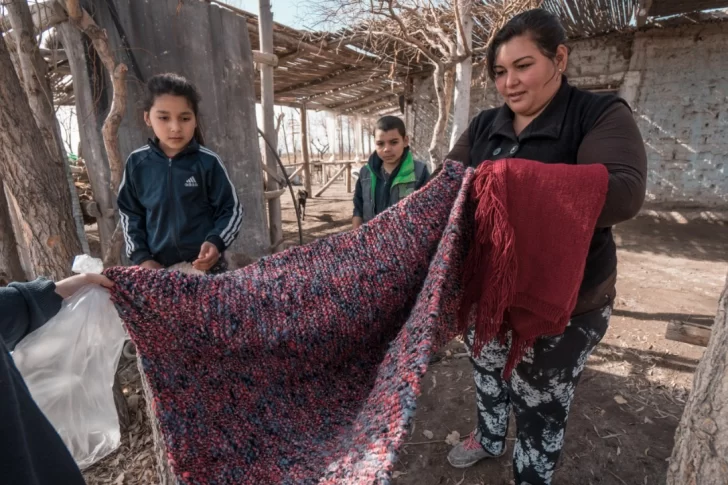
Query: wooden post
[304,149]
[358,146]
[348,177]
[333,141]
[328,184]
[265,23]
[325,173]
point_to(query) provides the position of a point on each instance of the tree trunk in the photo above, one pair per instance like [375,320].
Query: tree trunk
[92,145]
[10,267]
[443,92]
[701,442]
[31,175]
[463,74]
[40,99]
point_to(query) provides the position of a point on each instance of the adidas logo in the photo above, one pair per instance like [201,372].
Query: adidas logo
[191,182]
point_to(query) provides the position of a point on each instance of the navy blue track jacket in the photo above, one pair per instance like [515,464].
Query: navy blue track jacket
[170,206]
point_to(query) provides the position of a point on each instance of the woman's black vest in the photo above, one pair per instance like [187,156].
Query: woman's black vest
[553,137]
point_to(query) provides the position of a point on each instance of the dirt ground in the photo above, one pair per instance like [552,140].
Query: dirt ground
[631,395]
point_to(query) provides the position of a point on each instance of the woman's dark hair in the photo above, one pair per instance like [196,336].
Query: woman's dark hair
[387,123]
[175,85]
[542,26]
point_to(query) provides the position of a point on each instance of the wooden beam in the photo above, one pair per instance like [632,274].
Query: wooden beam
[265,58]
[295,172]
[690,333]
[331,181]
[302,45]
[369,80]
[375,108]
[365,99]
[317,81]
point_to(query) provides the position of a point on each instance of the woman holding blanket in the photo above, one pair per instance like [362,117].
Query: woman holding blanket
[547,120]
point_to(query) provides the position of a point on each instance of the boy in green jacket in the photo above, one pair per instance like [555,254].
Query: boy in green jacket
[391,173]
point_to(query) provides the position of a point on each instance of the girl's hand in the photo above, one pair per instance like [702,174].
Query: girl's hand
[68,287]
[151,264]
[207,258]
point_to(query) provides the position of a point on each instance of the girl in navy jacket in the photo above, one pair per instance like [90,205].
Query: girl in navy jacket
[176,200]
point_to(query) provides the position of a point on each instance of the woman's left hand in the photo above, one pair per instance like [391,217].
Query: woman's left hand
[207,258]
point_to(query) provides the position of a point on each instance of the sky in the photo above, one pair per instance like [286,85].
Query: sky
[291,13]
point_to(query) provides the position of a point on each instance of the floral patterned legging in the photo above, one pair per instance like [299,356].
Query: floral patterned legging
[539,391]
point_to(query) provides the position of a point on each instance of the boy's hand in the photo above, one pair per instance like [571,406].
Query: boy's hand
[151,264]
[68,287]
[207,258]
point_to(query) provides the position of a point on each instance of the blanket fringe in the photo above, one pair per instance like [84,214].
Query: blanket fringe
[490,266]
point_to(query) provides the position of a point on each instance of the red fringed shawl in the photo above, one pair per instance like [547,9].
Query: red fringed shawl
[533,223]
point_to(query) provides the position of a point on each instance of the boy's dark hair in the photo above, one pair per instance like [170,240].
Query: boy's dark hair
[544,28]
[175,85]
[388,123]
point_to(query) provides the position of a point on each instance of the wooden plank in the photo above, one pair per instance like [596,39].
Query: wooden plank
[339,162]
[199,41]
[296,172]
[331,181]
[690,333]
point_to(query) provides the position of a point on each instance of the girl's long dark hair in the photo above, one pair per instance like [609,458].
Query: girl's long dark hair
[175,85]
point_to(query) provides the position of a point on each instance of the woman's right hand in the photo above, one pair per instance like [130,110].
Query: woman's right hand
[151,264]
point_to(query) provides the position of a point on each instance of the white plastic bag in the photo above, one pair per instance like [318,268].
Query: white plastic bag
[83,263]
[69,366]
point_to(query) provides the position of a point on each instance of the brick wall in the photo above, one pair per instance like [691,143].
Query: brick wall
[675,79]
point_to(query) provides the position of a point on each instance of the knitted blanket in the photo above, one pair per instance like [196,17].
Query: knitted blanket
[304,367]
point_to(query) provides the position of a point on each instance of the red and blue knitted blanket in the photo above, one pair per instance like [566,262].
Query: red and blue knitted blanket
[303,368]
